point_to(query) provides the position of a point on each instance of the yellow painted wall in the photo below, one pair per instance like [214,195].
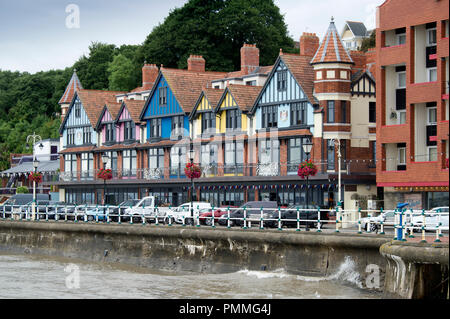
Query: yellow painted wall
[221,123]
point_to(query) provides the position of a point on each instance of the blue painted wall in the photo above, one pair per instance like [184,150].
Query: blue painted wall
[78,123]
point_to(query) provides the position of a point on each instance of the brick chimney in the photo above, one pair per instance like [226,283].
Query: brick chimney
[249,58]
[309,43]
[149,75]
[196,63]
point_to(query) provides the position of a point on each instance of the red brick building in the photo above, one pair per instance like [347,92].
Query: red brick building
[412,102]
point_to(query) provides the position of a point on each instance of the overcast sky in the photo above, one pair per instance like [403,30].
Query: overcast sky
[40,35]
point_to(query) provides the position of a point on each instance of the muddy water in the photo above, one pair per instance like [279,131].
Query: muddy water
[24,276]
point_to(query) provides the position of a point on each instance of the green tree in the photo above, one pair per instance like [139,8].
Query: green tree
[369,42]
[121,74]
[217,29]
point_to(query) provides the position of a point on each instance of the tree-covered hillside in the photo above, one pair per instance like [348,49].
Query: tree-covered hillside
[215,29]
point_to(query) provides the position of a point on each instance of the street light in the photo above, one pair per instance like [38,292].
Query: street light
[35,138]
[105,159]
[191,158]
[337,142]
[307,147]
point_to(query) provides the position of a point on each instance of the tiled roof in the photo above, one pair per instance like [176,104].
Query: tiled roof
[134,107]
[244,95]
[331,49]
[213,96]
[77,149]
[113,108]
[94,100]
[287,133]
[116,147]
[73,86]
[258,70]
[187,85]
[302,71]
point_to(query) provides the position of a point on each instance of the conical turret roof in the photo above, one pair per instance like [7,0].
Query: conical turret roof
[73,86]
[331,50]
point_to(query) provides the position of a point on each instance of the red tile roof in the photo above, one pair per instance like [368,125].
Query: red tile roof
[73,86]
[331,49]
[244,95]
[187,85]
[213,96]
[134,107]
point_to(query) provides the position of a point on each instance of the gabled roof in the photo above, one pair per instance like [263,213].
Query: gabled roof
[134,108]
[185,85]
[212,96]
[357,28]
[331,50]
[73,86]
[360,74]
[113,109]
[241,73]
[302,71]
[93,102]
[243,95]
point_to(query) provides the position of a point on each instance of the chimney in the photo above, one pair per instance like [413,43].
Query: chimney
[196,63]
[309,44]
[149,75]
[249,58]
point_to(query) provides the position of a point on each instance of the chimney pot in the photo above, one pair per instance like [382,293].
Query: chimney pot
[249,58]
[196,63]
[309,44]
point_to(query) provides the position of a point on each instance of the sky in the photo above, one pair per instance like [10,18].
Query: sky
[40,35]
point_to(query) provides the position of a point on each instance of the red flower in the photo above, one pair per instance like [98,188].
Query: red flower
[35,177]
[192,171]
[307,168]
[104,174]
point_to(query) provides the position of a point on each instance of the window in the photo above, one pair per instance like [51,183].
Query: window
[128,132]
[86,135]
[298,113]
[343,111]
[401,155]
[401,117]
[234,157]
[269,151]
[330,155]
[251,83]
[129,163]
[112,163]
[431,37]
[295,154]
[163,96]
[330,112]
[432,75]
[209,155]
[432,153]
[177,125]
[372,112]
[109,132]
[401,39]
[401,80]
[70,164]
[282,80]
[155,127]
[177,160]
[269,116]
[77,109]
[374,151]
[87,164]
[71,136]
[208,122]
[431,115]
[233,119]
[156,158]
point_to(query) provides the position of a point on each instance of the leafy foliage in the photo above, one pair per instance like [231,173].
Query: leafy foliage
[369,42]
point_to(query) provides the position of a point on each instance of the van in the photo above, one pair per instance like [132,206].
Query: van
[184,211]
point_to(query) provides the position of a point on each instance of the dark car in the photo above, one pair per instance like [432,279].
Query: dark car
[253,211]
[114,212]
[307,217]
[16,202]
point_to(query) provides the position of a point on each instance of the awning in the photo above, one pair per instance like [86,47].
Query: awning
[27,167]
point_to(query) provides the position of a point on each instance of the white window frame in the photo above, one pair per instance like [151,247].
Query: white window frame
[398,38]
[434,108]
[398,80]
[401,149]
[428,36]
[429,70]
[399,117]
[429,148]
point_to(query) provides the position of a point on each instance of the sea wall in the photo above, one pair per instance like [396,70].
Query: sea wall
[203,250]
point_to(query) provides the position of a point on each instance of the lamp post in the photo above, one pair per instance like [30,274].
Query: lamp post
[105,159]
[307,147]
[34,139]
[191,158]
[337,142]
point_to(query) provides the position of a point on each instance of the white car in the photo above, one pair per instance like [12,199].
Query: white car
[145,207]
[434,217]
[182,212]
[387,217]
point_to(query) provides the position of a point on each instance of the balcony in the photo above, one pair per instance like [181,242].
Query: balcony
[396,54]
[423,92]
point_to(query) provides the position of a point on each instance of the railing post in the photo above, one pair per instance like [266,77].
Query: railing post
[411,225]
[318,221]
[75,215]
[403,225]
[212,215]
[261,226]
[131,215]
[107,214]
[395,224]
[96,215]
[118,216]
[228,218]
[423,227]
[298,219]
[382,222]
[438,225]
[170,220]
[46,213]
[337,218]
[65,213]
[359,220]
[4,211]
[279,219]
[156,216]
[245,218]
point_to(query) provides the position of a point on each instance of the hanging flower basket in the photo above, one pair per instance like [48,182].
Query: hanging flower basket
[192,171]
[307,168]
[104,174]
[35,177]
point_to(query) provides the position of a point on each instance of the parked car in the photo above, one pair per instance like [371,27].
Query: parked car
[145,207]
[184,210]
[387,217]
[205,215]
[253,211]
[432,219]
[114,212]
[15,203]
[307,217]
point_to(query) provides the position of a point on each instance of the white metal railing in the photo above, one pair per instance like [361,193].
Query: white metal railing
[403,222]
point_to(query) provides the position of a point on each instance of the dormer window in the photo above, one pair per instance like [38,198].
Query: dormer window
[233,119]
[128,131]
[109,133]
